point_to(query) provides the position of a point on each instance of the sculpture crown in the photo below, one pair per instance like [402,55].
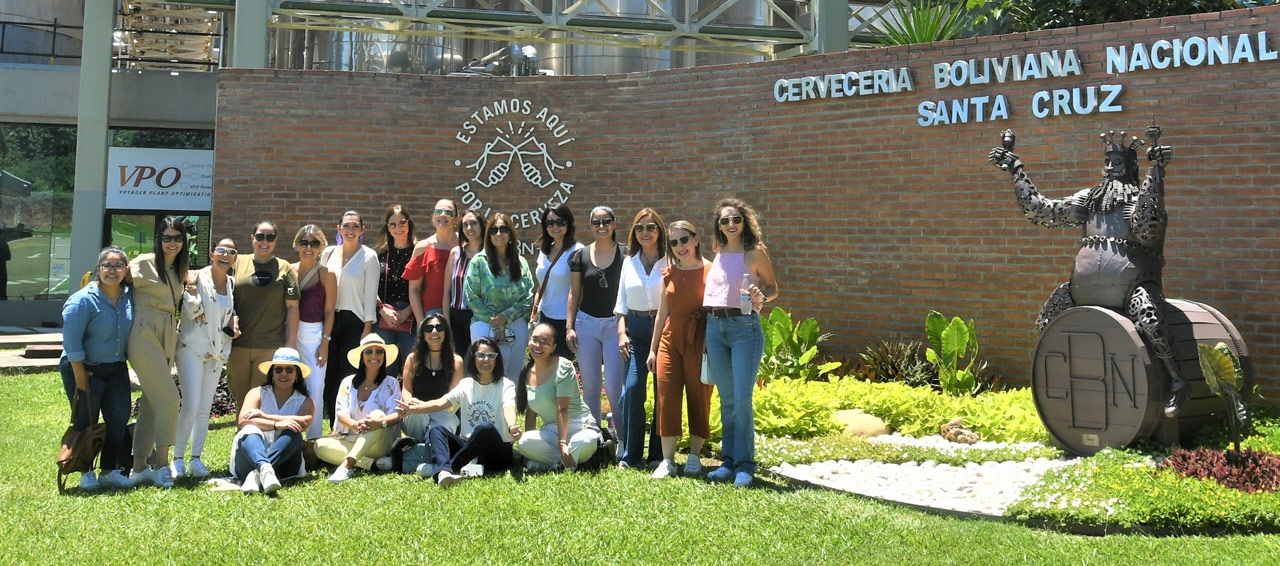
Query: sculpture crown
[1112,143]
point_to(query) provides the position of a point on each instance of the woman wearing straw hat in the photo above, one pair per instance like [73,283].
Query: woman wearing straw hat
[366,422]
[271,424]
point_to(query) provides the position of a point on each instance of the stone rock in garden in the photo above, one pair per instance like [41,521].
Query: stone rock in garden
[955,431]
[858,423]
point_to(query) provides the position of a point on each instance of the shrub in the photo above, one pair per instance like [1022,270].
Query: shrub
[1247,470]
[1006,416]
[898,362]
[790,349]
[795,408]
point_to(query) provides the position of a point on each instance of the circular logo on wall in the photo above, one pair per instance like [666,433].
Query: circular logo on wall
[513,148]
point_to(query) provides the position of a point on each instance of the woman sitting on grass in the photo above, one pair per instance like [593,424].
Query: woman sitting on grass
[271,424]
[366,422]
[548,388]
[487,404]
[431,370]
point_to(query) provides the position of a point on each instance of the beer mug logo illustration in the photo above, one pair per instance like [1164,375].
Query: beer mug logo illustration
[516,147]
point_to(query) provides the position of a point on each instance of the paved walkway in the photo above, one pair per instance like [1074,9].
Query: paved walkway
[13,344]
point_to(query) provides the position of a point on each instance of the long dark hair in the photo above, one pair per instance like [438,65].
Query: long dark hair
[751,234]
[462,234]
[361,369]
[180,263]
[545,241]
[385,240]
[299,383]
[513,248]
[423,386]
[522,383]
[499,372]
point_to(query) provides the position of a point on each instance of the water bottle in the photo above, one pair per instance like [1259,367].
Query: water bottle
[744,293]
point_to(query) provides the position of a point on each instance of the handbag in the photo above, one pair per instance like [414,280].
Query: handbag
[706,369]
[407,325]
[80,448]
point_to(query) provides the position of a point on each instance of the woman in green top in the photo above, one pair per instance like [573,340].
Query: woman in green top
[548,388]
[499,289]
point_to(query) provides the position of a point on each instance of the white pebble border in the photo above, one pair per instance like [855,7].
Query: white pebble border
[986,488]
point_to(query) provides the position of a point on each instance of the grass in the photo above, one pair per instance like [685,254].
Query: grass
[610,517]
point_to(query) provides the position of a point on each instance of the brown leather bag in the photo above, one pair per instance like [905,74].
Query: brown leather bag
[80,448]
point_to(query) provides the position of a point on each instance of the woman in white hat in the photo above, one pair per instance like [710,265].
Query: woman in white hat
[271,424]
[366,422]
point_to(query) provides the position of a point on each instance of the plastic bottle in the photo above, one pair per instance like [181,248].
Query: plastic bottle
[744,293]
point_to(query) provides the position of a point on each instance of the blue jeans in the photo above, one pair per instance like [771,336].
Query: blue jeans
[284,454]
[450,452]
[634,393]
[734,348]
[109,395]
[403,341]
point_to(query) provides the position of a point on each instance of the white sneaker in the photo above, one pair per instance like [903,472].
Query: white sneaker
[164,477]
[666,469]
[145,477]
[473,470]
[177,468]
[693,467]
[89,481]
[425,470]
[197,469]
[267,476]
[448,479]
[115,480]
[384,464]
[340,475]
[250,484]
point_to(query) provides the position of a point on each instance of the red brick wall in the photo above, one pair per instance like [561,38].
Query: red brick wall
[872,220]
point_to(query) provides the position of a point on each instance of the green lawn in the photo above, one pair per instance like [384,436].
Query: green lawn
[610,517]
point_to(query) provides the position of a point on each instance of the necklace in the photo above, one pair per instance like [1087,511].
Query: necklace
[648,263]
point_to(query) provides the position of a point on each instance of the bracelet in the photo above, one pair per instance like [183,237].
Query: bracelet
[564,442]
[326,336]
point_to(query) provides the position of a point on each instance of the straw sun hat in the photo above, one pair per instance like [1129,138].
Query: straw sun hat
[373,340]
[285,357]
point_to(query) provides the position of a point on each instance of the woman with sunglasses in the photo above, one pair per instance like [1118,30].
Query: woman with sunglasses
[735,340]
[367,422]
[204,342]
[427,268]
[456,311]
[499,289]
[675,354]
[548,388]
[271,424]
[266,301]
[431,370]
[487,404]
[96,321]
[315,314]
[158,280]
[396,316]
[356,310]
[551,277]
[593,328]
[639,296]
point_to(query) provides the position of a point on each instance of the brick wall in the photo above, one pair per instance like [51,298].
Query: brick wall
[872,220]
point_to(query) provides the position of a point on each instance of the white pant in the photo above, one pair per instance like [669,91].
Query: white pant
[543,445]
[198,381]
[512,351]
[310,336]
[598,342]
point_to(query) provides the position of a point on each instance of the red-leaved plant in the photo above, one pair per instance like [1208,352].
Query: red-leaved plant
[1247,470]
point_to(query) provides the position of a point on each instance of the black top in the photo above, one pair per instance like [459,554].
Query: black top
[599,288]
[392,287]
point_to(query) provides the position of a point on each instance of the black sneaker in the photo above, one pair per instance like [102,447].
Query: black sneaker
[1177,396]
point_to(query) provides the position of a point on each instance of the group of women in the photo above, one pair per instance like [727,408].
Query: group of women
[323,337]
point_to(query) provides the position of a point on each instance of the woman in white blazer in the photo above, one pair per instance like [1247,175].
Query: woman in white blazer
[204,342]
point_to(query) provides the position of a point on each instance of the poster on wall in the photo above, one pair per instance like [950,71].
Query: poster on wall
[159,179]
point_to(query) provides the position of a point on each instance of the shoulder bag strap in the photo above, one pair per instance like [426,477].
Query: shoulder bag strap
[543,286]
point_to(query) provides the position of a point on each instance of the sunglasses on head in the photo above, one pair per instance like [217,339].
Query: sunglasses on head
[486,356]
[393,224]
[225,251]
[557,222]
[647,227]
[283,369]
[443,212]
[309,243]
[433,327]
[677,242]
[260,236]
[602,222]
[501,230]
[734,218]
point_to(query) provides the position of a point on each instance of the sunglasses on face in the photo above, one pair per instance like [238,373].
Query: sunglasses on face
[486,356]
[501,230]
[557,223]
[443,212]
[170,239]
[283,369]
[225,251]
[309,243]
[647,227]
[602,222]
[111,266]
[734,218]
[677,242]
[540,341]
[374,352]
[261,236]
[351,226]
[393,224]
[433,327]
